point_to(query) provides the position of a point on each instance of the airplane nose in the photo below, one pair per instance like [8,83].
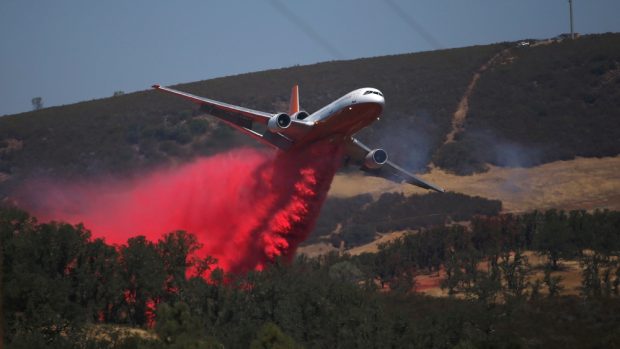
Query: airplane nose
[381,99]
[372,95]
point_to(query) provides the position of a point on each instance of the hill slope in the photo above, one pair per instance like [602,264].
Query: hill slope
[132,132]
[583,183]
[551,101]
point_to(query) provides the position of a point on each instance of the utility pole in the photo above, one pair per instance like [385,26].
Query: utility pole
[572,33]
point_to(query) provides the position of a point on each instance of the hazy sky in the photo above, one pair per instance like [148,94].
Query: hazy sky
[70,51]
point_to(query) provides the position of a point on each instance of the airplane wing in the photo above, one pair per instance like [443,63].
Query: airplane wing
[357,152]
[243,119]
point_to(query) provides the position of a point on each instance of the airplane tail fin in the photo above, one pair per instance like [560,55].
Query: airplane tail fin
[294,103]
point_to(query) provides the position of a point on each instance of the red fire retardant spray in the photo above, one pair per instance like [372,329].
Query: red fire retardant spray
[246,206]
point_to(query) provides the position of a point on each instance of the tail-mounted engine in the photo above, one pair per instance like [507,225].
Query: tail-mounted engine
[375,159]
[279,122]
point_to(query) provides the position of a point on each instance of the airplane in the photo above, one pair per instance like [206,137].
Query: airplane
[297,128]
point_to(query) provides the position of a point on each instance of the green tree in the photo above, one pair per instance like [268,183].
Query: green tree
[454,274]
[176,250]
[515,270]
[554,238]
[178,328]
[144,275]
[345,271]
[485,284]
[270,336]
[98,283]
[37,103]
[591,283]
[40,269]
[553,283]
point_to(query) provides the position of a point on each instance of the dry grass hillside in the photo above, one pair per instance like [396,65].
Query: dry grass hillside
[582,183]
[570,274]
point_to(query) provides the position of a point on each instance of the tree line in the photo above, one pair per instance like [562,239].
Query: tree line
[358,219]
[486,259]
[58,283]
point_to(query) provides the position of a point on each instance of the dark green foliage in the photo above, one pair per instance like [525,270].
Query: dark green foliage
[37,103]
[198,126]
[122,134]
[461,157]
[142,270]
[549,102]
[270,336]
[335,211]
[99,281]
[354,235]
[552,282]
[486,259]
[554,238]
[41,273]
[55,278]
[514,270]
[177,327]
[57,283]
[176,251]
[356,220]
[346,271]
[591,277]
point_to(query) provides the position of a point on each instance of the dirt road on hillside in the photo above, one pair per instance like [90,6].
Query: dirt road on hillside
[458,119]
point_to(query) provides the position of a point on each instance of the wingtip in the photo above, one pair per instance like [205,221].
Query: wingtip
[437,188]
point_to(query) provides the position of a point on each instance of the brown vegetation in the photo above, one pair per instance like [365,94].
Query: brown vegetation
[586,183]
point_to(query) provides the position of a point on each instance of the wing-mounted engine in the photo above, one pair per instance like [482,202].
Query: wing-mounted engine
[279,122]
[300,115]
[375,159]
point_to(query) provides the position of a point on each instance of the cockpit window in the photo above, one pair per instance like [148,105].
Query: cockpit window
[373,92]
[367,92]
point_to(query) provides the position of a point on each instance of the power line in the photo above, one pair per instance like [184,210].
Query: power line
[307,29]
[413,24]
[572,32]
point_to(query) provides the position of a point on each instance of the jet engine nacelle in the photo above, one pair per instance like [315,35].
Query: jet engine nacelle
[279,122]
[300,115]
[375,159]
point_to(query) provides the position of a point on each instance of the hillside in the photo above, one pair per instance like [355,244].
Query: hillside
[352,215]
[439,104]
[582,183]
[533,105]
[129,132]
[525,106]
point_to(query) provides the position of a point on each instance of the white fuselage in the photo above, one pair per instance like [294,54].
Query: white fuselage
[346,115]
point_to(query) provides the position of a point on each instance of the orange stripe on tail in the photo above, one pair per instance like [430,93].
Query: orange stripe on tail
[294,103]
